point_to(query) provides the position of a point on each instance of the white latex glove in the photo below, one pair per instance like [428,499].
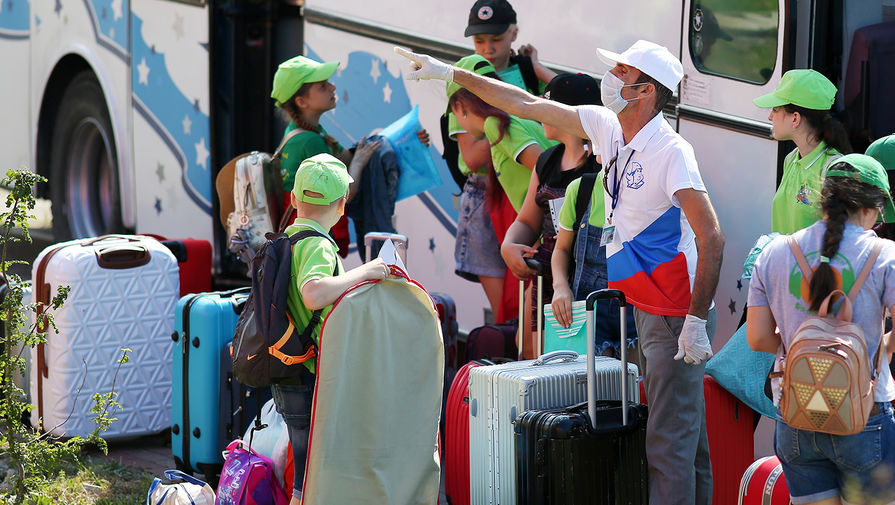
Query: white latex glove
[423,66]
[693,344]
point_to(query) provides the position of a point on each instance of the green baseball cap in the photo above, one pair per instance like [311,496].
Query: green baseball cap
[883,151]
[322,174]
[473,63]
[292,74]
[869,171]
[803,87]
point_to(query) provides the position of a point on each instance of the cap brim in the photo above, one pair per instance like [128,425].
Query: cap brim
[769,101]
[610,58]
[889,211]
[323,72]
[491,29]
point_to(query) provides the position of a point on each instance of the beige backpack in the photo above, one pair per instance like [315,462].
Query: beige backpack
[827,379]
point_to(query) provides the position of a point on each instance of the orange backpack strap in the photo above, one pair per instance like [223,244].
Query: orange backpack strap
[865,270]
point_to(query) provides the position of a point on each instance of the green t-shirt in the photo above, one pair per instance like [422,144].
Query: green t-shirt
[796,204]
[597,216]
[520,134]
[312,258]
[299,148]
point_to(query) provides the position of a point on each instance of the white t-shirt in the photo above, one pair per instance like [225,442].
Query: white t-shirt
[652,258]
[777,284]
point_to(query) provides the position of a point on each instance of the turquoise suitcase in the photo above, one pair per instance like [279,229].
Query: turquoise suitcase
[204,324]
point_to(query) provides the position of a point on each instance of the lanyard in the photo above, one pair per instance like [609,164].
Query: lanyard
[616,190]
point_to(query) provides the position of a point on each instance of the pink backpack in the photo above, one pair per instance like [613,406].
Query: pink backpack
[248,478]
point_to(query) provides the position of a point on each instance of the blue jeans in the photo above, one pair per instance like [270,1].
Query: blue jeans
[294,404]
[590,275]
[857,467]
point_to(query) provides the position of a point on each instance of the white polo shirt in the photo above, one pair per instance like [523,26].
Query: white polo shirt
[652,258]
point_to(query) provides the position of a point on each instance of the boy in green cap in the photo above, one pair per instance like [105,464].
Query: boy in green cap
[320,195]
[800,111]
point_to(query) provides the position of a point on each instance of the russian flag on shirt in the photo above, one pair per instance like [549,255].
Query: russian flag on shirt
[651,267]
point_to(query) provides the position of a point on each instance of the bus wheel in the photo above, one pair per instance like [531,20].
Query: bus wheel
[83,181]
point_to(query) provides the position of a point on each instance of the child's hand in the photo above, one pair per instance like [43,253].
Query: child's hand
[362,155]
[514,256]
[375,270]
[530,51]
[562,306]
[423,135]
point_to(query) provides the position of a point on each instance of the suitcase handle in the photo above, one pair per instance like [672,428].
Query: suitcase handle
[520,338]
[605,294]
[115,237]
[400,242]
[555,355]
[121,256]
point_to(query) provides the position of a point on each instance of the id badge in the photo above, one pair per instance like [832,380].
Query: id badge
[608,235]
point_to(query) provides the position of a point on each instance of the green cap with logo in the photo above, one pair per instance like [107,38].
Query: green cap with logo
[869,171]
[883,151]
[322,174]
[292,74]
[473,63]
[802,87]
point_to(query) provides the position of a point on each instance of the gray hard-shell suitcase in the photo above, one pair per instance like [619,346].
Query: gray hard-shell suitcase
[499,394]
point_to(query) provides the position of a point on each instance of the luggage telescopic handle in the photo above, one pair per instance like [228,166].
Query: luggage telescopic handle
[115,237]
[605,294]
[539,271]
[555,355]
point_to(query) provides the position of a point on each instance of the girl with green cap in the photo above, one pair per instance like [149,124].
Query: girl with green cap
[800,111]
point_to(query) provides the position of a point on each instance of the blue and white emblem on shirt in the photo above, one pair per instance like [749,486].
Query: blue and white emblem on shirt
[634,177]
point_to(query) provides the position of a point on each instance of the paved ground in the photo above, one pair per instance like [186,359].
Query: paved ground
[152,453]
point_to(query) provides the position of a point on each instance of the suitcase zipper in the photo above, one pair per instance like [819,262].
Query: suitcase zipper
[42,296]
[185,367]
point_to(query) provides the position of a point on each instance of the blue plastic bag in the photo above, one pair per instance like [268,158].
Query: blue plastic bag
[418,171]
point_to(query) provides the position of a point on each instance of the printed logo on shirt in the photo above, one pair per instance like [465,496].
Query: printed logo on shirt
[798,286]
[634,177]
[806,195]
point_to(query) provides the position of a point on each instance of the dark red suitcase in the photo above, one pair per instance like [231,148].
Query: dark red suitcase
[730,426]
[456,437]
[450,329]
[194,260]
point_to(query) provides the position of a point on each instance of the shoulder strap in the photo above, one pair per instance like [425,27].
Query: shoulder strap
[586,189]
[303,234]
[865,270]
[800,258]
[528,74]
[286,139]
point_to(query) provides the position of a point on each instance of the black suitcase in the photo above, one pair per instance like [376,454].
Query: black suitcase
[240,404]
[592,453]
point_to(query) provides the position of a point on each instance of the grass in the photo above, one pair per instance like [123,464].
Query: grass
[98,482]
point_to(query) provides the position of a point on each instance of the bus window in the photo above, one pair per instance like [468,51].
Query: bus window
[734,38]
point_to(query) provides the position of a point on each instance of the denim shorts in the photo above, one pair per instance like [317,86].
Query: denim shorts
[856,467]
[476,249]
[294,404]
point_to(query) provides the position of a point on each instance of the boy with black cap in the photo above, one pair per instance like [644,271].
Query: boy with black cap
[320,195]
[492,26]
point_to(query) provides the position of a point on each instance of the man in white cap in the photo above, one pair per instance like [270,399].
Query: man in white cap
[663,242]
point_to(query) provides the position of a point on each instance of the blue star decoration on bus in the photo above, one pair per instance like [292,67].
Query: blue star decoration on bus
[158,205]
[58,8]
[732,306]
[432,244]
[739,284]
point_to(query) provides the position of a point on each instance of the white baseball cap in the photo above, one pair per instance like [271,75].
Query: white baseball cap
[650,58]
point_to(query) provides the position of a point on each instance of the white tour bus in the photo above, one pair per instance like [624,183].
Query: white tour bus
[129,107]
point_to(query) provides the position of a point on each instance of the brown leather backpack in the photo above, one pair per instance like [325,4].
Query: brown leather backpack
[828,381]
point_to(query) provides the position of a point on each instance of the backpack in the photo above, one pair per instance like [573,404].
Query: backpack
[247,478]
[828,382]
[250,189]
[267,347]
[451,153]
[183,490]
[527,69]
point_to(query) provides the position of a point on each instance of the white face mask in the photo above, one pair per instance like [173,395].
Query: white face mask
[611,92]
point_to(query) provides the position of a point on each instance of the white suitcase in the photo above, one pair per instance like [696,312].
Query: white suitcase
[123,292]
[499,393]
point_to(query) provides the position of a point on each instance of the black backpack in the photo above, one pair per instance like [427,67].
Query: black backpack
[267,347]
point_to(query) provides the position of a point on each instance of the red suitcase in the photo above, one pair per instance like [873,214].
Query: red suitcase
[764,484]
[456,438]
[730,427]
[194,261]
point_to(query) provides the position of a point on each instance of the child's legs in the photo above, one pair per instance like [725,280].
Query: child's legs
[493,287]
[294,403]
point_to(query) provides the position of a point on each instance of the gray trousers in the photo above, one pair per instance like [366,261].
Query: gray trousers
[677,447]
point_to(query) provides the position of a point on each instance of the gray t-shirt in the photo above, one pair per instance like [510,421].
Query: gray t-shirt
[777,283]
